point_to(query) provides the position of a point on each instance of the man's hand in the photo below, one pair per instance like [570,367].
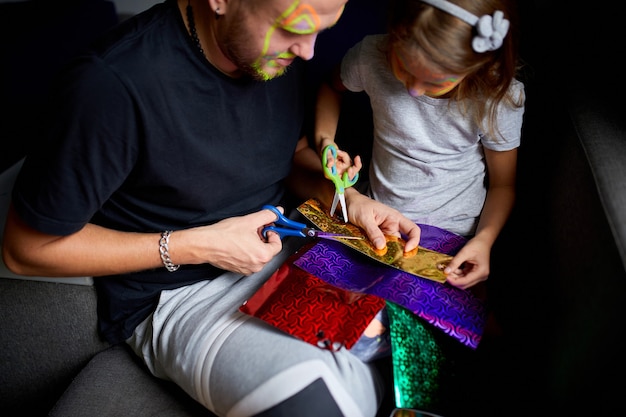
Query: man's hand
[237,244]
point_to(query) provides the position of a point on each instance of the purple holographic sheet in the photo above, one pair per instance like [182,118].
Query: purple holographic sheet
[459,313]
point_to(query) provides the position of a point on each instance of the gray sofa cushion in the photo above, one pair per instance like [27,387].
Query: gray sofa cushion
[48,333]
[114,383]
[601,127]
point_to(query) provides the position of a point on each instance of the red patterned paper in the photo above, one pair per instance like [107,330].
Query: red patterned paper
[307,307]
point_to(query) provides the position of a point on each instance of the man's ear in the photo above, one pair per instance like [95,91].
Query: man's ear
[219,7]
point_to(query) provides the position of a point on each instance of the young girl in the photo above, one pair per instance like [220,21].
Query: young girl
[447,112]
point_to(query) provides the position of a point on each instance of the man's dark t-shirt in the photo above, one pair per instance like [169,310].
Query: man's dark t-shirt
[144,135]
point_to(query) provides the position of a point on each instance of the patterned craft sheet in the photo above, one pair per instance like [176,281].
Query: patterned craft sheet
[311,309]
[422,369]
[455,311]
[426,263]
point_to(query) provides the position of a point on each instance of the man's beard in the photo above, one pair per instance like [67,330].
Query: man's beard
[236,48]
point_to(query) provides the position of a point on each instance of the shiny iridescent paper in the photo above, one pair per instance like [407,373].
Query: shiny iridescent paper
[309,308]
[455,311]
[420,367]
[427,262]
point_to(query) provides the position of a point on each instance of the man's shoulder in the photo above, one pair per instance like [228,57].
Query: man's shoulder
[143,31]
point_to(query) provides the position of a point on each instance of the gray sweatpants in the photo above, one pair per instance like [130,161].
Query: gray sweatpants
[237,365]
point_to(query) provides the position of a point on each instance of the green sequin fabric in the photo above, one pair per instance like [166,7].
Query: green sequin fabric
[420,367]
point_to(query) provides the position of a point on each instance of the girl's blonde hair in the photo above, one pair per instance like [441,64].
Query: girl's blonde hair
[446,41]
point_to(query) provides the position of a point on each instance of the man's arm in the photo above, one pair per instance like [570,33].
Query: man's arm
[233,244]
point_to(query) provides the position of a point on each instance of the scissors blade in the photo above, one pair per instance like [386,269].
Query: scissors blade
[333,207]
[328,235]
[344,209]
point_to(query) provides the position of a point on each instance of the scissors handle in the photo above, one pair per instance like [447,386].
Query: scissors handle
[294,228]
[291,227]
[340,182]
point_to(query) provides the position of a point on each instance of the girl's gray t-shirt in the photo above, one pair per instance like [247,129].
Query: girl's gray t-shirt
[427,158]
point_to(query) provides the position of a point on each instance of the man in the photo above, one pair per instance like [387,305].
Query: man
[160,147]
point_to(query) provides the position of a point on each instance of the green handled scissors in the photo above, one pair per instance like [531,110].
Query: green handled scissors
[341,183]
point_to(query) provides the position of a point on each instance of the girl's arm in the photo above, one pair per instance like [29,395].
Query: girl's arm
[471,264]
[327,112]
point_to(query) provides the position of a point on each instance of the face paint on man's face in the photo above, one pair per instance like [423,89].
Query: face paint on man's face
[298,19]
[301,20]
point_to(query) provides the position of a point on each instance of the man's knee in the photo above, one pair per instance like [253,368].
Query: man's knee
[314,400]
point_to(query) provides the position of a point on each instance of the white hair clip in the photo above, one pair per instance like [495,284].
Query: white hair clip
[490,30]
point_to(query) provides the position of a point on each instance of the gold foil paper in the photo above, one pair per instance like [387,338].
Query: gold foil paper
[424,263]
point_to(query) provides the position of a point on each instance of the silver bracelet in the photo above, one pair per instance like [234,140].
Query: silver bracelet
[164,250]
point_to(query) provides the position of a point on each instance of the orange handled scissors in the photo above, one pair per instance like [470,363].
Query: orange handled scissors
[341,182]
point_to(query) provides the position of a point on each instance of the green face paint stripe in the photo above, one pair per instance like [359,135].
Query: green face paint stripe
[286,13]
[266,46]
[266,42]
[263,74]
[268,36]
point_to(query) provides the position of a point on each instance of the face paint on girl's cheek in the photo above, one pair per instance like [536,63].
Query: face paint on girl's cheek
[397,67]
[438,85]
[446,86]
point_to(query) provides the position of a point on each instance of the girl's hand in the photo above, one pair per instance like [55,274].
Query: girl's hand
[343,162]
[470,265]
